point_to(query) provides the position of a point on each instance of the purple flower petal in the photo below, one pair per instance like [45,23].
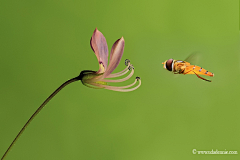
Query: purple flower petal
[100,48]
[115,56]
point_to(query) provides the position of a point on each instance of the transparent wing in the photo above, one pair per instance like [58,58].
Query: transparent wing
[193,58]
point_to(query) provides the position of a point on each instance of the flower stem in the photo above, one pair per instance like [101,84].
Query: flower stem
[37,111]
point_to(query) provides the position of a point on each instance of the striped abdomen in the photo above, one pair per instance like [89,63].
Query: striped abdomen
[198,70]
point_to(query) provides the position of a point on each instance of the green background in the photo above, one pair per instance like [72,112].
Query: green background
[44,43]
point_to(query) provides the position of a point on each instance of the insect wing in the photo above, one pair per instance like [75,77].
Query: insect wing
[193,58]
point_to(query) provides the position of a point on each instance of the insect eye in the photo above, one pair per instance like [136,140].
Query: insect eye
[169,64]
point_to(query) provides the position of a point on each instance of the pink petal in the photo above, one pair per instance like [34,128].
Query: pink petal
[115,56]
[100,48]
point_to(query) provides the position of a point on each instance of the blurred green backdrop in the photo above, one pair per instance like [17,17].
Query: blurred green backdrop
[44,43]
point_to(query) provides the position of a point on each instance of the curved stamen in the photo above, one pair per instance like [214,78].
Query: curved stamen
[119,73]
[128,86]
[130,67]
[120,89]
[127,90]
[113,87]
[127,63]
[120,80]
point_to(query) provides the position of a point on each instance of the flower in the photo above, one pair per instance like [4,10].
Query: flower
[98,79]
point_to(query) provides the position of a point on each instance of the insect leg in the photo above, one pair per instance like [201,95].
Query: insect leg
[188,72]
[202,77]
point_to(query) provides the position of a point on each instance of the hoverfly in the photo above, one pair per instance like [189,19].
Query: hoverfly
[184,67]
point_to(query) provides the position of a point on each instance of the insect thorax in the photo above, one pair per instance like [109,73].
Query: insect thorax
[179,67]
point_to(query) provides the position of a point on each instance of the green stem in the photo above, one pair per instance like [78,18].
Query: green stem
[37,111]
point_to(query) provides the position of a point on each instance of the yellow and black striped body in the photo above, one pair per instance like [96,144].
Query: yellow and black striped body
[183,67]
